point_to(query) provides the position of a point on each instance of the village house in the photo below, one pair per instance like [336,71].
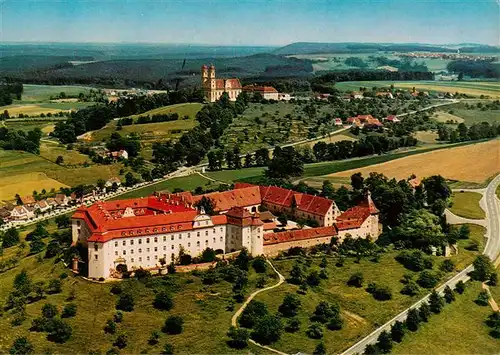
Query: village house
[121,154]
[22,212]
[113,180]
[364,121]
[338,122]
[41,205]
[28,200]
[392,118]
[62,199]
[139,233]
[213,88]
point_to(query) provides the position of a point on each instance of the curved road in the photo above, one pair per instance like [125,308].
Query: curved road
[492,250]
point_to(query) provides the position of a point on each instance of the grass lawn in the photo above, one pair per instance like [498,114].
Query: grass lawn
[361,312]
[197,304]
[235,175]
[185,183]
[45,126]
[471,115]
[186,109]
[465,257]
[458,329]
[51,151]
[466,204]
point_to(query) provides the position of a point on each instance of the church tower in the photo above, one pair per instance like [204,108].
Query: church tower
[211,74]
[204,77]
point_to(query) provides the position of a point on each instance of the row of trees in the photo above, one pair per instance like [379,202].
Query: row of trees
[463,133]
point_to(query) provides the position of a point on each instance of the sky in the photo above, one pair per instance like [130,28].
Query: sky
[250,22]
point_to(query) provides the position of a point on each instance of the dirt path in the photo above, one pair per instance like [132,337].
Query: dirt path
[234,319]
[491,300]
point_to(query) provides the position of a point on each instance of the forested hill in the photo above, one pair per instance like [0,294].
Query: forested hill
[351,47]
[128,72]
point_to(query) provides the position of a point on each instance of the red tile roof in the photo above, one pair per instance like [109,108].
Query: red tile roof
[241,197]
[355,216]
[258,88]
[241,217]
[300,234]
[227,84]
[28,200]
[306,203]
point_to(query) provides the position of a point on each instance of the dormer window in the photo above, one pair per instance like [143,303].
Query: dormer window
[130,233]
[164,229]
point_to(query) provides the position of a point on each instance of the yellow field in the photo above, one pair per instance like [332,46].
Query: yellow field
[30,109]
[25,184]
[331,139]
[444,117]
[471,163]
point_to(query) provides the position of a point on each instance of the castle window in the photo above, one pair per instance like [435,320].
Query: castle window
[147,240]
[156,257]
[172,247]
[156,248]
[221,239]
[171,237]
[172,256]
[96,247]
[140,250]
[132,260]
[78,223]
[189,235]
[131,251]
[140,241]
[214,240]
[116,252]
[189,244]
[95,256]
[197,234]
[214,230]
[156,239]
[198,243]
[180,236]
[124,252]
[124,243]
[164,238]
[147,250]
[206,232]
[140,258]
[147,258]
[221,229]
[206,242]
[132,242]
[164,247]
[116,244]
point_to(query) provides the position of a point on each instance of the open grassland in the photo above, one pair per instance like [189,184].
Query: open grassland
[153,131]
[465,257]
[16,164]
[51,151]
[458,329]
[36,93]
[466,204]
[25,184]
[429,137]
[37,109]
[186,183]
[199,306]
[474,88]
[330,139]
[472,115]
[361,312]
[26,126]
[445,117]
[471,163]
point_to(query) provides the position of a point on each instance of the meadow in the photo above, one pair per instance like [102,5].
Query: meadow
[466,204]
[474,88]
[471,116]
[37,93]
[453,164]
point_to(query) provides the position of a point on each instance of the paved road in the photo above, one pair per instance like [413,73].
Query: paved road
[492,250]
[448,102]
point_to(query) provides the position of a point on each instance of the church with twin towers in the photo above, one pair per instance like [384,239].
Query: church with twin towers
[213,88]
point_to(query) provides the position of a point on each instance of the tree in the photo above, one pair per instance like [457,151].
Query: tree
[243,259]
[292,325]
[10,238]
[449,294]
[286,162]
[37,246]
[410,288]
[356,280]
[379,292]
[60,331]
[163,301]
[325,311]
[412,320]
[315,331]
[424,312]
[110,327]
[125,302]
[436,302]
[483,268]
[173,325]
[259,264]
[296,274]
[436,188]
[69,310]
[59,160]
[238,337]
[49,310]
[384,342]
[21,346]
[208,255]
[23,283]
[130,180]
[320,349]
[483,298]
[397,331]
[55,286]
[267,329]
[290,306]
[118,317]
[207,204]
[427,279]
[121,341]
[493,279]
[62,221]
[248,160]
[460,287]
[254,311]
[447,265]
[371,349]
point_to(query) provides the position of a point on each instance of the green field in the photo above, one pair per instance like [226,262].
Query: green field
[22,172]
[474,115]
[185,183]
[474,88]
[466,204]
[45,126]
[458,329]
[154,131]
[37,93]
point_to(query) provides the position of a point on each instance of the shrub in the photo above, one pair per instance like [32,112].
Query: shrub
[208,255]
[384,342]
[436,302]
[154,337]
[410,289]
[356,280]
[447,266]
[121,341]
[424,312]
[259,264]
[110,327]
[60,331]
[315,331]
[296,274]
[116,289]
[493,279]
[254,311]
[267,329]
[118,317]
[320,349]
[379,292]
[483,267]
[142,274]
[21,346]
[483,298]
[163,301]
[460,287]
[69,310]
[414,260]
[173,325]
[292,325]
[413,320]
[125,302]
[238,337]
[290,305]
[313,278]
[427,279]
[168,349]
[336,322]
[449,295]
[55,286]
[371,349]
[49,310]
